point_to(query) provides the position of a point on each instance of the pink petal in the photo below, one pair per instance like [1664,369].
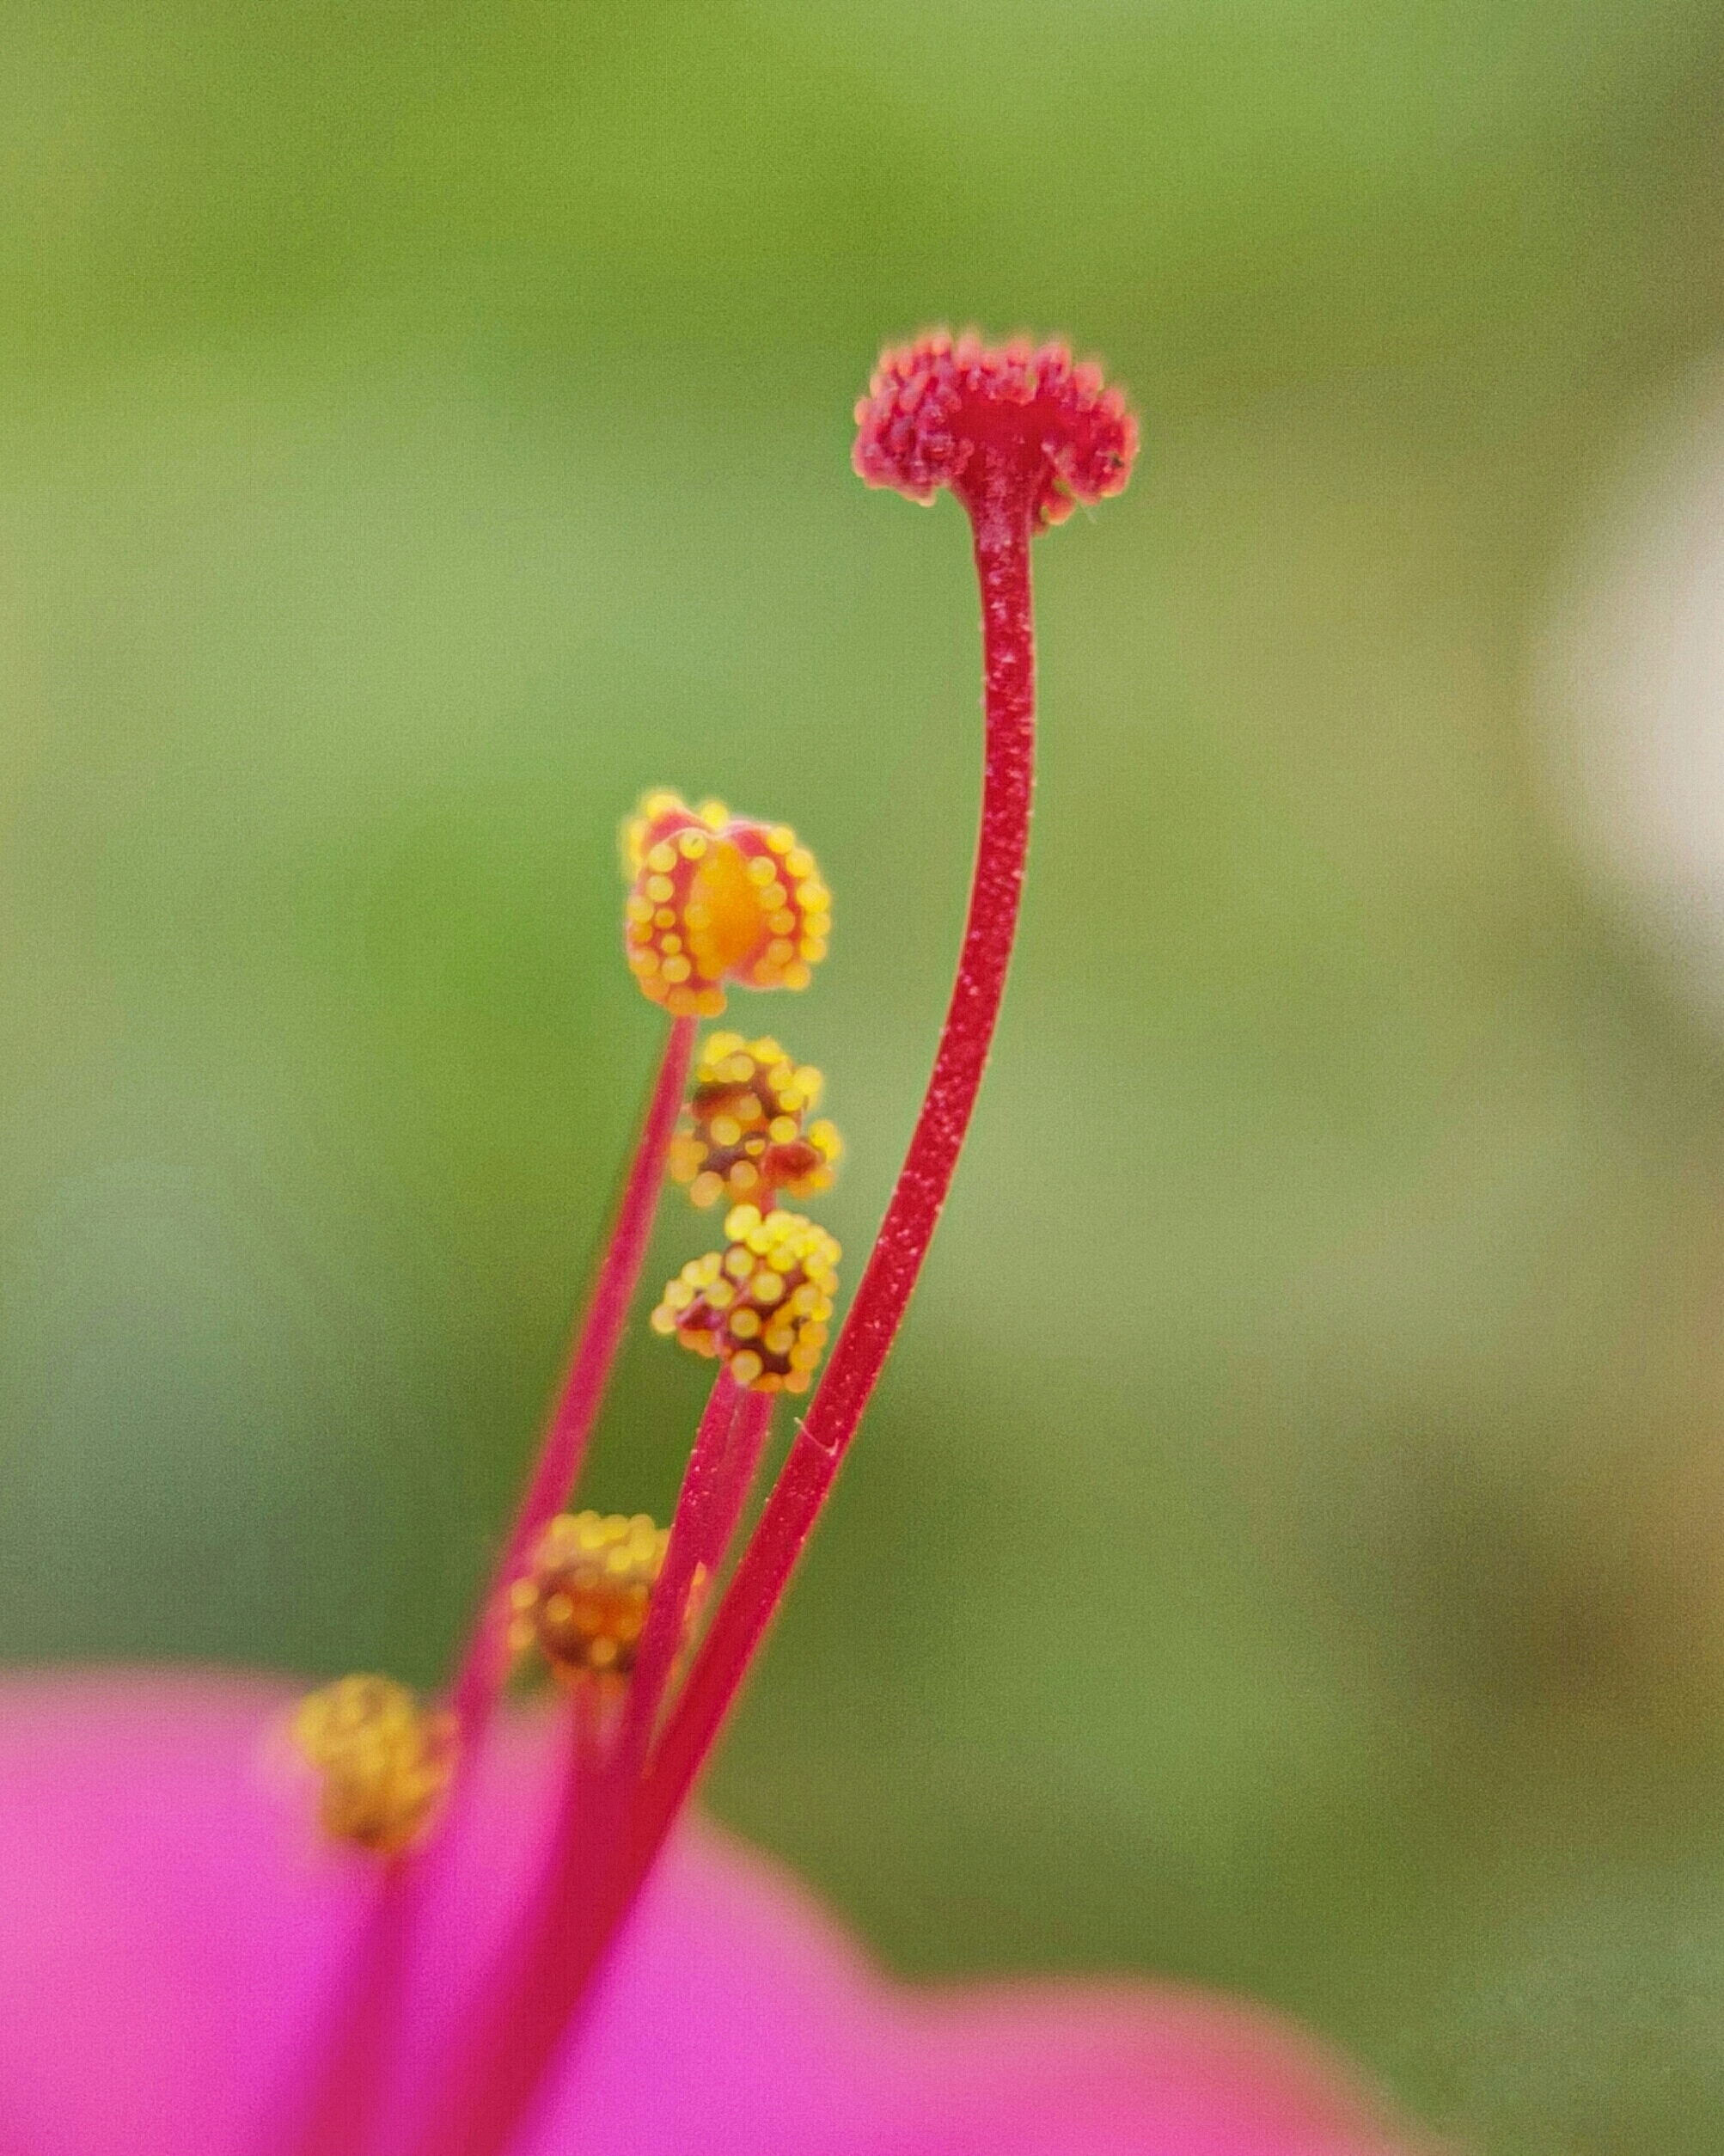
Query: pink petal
[172,1938]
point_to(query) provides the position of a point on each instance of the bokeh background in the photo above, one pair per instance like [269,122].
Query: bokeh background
[1288,1551]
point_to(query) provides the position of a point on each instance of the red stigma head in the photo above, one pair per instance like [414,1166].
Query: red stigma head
[945,411]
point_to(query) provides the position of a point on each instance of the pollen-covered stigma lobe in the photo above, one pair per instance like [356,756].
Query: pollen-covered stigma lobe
[717,897]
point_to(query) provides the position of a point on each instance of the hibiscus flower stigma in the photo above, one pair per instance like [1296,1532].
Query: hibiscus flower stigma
[649,1631]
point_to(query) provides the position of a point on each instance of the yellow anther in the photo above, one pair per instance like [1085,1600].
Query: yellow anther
[383,1760]
[713,901]
[784,1272]
[583,1604]
[744,1128]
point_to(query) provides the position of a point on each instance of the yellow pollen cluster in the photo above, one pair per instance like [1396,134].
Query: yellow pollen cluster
[716,897]
[384,1761]
[584,1605]
[744,1133]
[762,1304]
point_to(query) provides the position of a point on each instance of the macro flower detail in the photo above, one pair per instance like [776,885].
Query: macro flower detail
[762,1304]
[937,407]
[748,867]
[583,1604]
[507,1952]
[1019,435]
[717,898]
[745,1133]
[382,1761]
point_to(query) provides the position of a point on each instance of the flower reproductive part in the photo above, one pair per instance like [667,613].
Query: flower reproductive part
[745,1133]
[1020,435]
[451,1986]
[382,1761]
[941,410]
[585,1603]
[716,901]
[763,1304]
[717,897]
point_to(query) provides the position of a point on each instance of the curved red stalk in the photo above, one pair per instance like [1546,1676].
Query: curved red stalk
[485,1663]
[727,1450]
[524,2020]
[1001,508]
[1019,435]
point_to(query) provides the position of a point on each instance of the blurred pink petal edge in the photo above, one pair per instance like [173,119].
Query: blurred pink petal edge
[173,1938]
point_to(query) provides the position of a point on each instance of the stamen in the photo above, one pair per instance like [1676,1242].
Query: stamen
[747,867]
[384,1761]
[713,898]
[585,1603]
[762,1304]
[717,898]
[715,1486]
[745,1133]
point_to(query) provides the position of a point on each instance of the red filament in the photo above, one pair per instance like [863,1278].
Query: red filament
[485,1663]
[1019,435]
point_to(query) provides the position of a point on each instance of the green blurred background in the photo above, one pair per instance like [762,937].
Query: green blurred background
[1288,1550]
